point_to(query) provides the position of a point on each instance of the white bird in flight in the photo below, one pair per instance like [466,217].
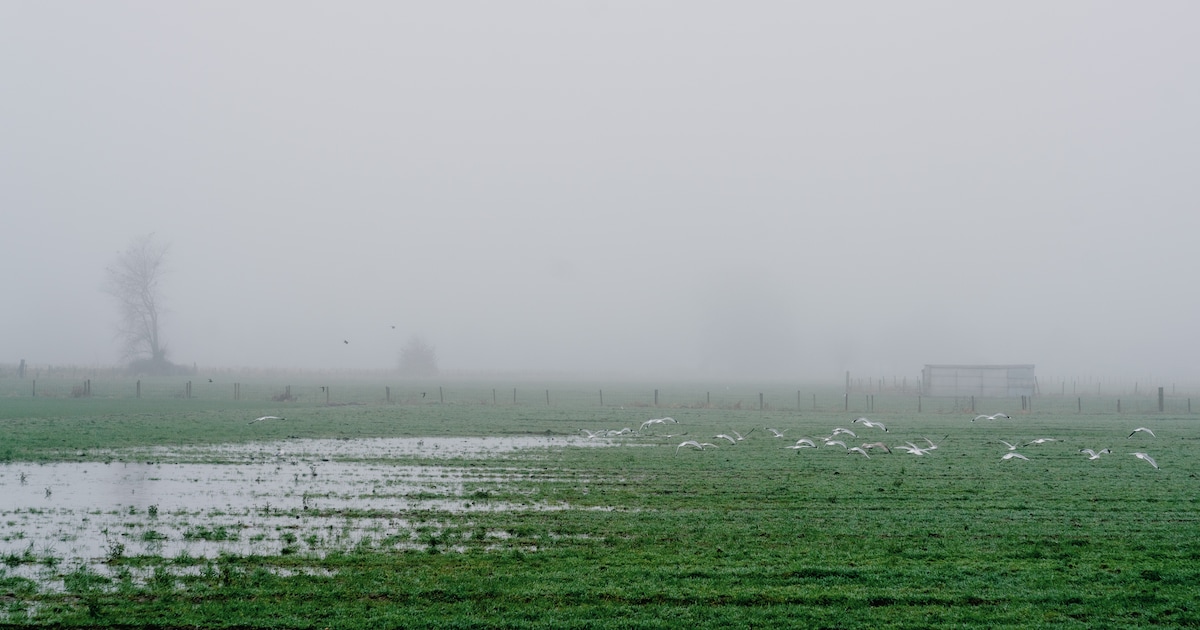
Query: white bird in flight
[741,437]
[653,421]
[693,444]
[841,431]
[857,450]
[934,445]
[1011,447]
[1040,441]
[1008,456]
[1142,430]
[871,424]
[991,417]
[1147,458]
[261,418]
[725,437]
[1094,454]
[836,443]
[775,432]
[913,449]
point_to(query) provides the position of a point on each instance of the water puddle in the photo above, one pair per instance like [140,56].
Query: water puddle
[277,498]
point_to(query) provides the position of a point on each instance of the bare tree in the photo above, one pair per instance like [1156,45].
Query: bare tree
[418,358]
[134,280]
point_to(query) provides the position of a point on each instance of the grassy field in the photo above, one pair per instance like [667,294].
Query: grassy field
[638,534]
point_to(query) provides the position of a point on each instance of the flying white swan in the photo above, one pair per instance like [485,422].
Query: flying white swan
[1147,458]
[1142,430]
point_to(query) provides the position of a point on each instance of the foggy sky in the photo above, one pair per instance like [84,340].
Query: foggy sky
[767,189]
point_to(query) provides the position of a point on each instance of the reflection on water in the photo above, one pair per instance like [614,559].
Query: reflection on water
[311,496]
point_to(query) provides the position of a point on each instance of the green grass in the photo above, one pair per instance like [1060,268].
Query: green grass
[740,536]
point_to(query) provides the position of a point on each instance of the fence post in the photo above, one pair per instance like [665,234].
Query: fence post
[1160,400]
[139,388]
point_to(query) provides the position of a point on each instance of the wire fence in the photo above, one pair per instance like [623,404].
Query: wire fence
[340,389]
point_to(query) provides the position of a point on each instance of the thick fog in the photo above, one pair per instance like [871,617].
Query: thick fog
[715,189]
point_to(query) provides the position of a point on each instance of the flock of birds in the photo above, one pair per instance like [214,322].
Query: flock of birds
[838,436]
[1092,454]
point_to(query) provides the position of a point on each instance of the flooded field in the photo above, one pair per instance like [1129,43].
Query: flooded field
[269,498]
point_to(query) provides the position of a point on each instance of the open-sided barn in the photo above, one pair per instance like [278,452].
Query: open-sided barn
[986,381]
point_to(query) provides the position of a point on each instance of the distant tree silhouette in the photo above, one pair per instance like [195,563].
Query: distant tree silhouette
[418,358]
[134,280]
